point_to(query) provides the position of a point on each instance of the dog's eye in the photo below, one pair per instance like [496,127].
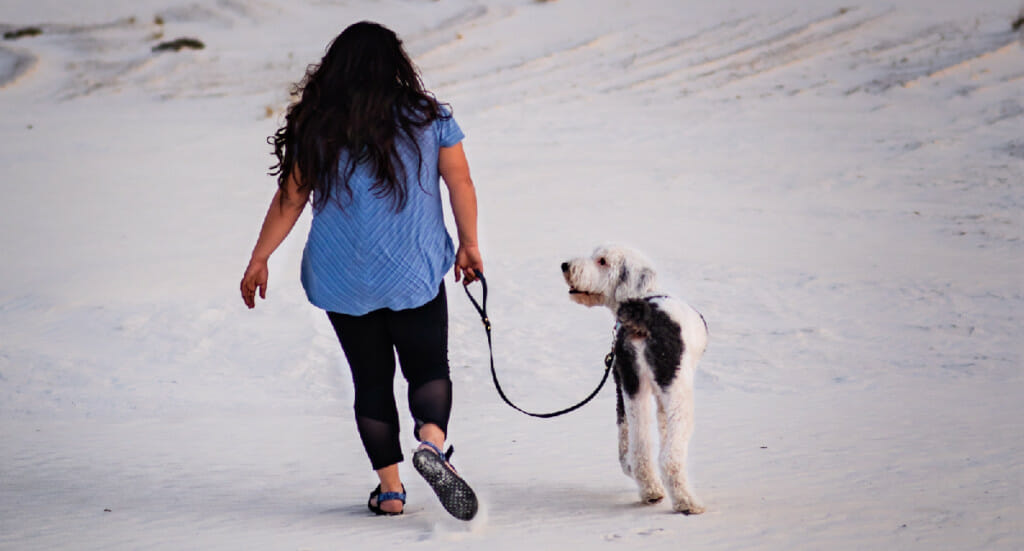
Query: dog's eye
[602,261]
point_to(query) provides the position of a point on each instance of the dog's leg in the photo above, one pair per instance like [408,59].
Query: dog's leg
[662,421]
[641,459]
[677,402]
[620,422]
[636,395]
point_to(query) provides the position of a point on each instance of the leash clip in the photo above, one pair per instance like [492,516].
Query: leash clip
[610,358]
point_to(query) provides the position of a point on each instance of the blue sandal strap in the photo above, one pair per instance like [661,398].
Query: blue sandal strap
[431,445]
[444,455]
[388,496]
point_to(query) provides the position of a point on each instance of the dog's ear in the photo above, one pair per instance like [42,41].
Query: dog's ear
[645,280]
[634,283]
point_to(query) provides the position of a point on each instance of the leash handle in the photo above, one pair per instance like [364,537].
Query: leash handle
[482,310]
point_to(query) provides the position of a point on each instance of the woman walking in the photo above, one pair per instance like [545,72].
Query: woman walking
[366,145]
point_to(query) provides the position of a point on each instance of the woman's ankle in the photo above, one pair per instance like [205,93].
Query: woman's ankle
[390,481]
[432,433]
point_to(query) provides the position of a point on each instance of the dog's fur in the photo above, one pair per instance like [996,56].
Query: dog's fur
[658,342]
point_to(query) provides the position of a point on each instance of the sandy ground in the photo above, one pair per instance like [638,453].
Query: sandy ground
[836,187]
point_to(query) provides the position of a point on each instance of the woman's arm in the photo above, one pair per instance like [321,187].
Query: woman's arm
[281,217]
[454,168]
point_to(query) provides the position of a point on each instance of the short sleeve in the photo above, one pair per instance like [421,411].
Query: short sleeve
[448,131]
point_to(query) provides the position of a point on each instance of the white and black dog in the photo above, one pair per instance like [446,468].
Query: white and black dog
[658,342]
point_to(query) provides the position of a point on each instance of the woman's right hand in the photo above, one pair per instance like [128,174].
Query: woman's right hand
[255,278]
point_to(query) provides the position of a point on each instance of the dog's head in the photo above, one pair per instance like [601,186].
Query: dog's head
[611,275]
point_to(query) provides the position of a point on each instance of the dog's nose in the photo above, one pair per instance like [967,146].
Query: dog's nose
[565,267]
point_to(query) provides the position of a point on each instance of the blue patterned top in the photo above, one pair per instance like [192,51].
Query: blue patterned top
[364,256]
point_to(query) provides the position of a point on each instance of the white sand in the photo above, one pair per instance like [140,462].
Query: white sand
[837,187]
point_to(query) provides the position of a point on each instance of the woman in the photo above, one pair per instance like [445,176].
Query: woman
[366,144]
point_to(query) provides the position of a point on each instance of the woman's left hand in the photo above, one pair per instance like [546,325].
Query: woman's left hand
[467,263]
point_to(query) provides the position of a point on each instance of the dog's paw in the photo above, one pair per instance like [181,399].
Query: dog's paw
[652,495]
[689,507]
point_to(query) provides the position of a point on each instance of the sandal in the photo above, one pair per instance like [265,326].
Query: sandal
[385,496]
[455,494]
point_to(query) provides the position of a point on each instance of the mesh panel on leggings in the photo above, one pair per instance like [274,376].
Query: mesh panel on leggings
[380,439]
[431,402]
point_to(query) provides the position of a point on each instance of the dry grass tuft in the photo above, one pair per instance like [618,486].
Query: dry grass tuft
[179,44]
[22,33]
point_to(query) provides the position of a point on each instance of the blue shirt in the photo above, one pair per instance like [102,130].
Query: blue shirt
[363,256]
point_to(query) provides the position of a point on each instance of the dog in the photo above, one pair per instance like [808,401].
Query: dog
[658,342]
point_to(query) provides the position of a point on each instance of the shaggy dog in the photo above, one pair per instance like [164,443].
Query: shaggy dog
[658,342]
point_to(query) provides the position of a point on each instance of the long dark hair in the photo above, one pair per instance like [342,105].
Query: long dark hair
[364,97]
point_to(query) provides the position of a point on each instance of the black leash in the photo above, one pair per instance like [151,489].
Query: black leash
[482,310]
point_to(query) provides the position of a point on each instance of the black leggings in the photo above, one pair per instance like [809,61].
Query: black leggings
[420,336]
